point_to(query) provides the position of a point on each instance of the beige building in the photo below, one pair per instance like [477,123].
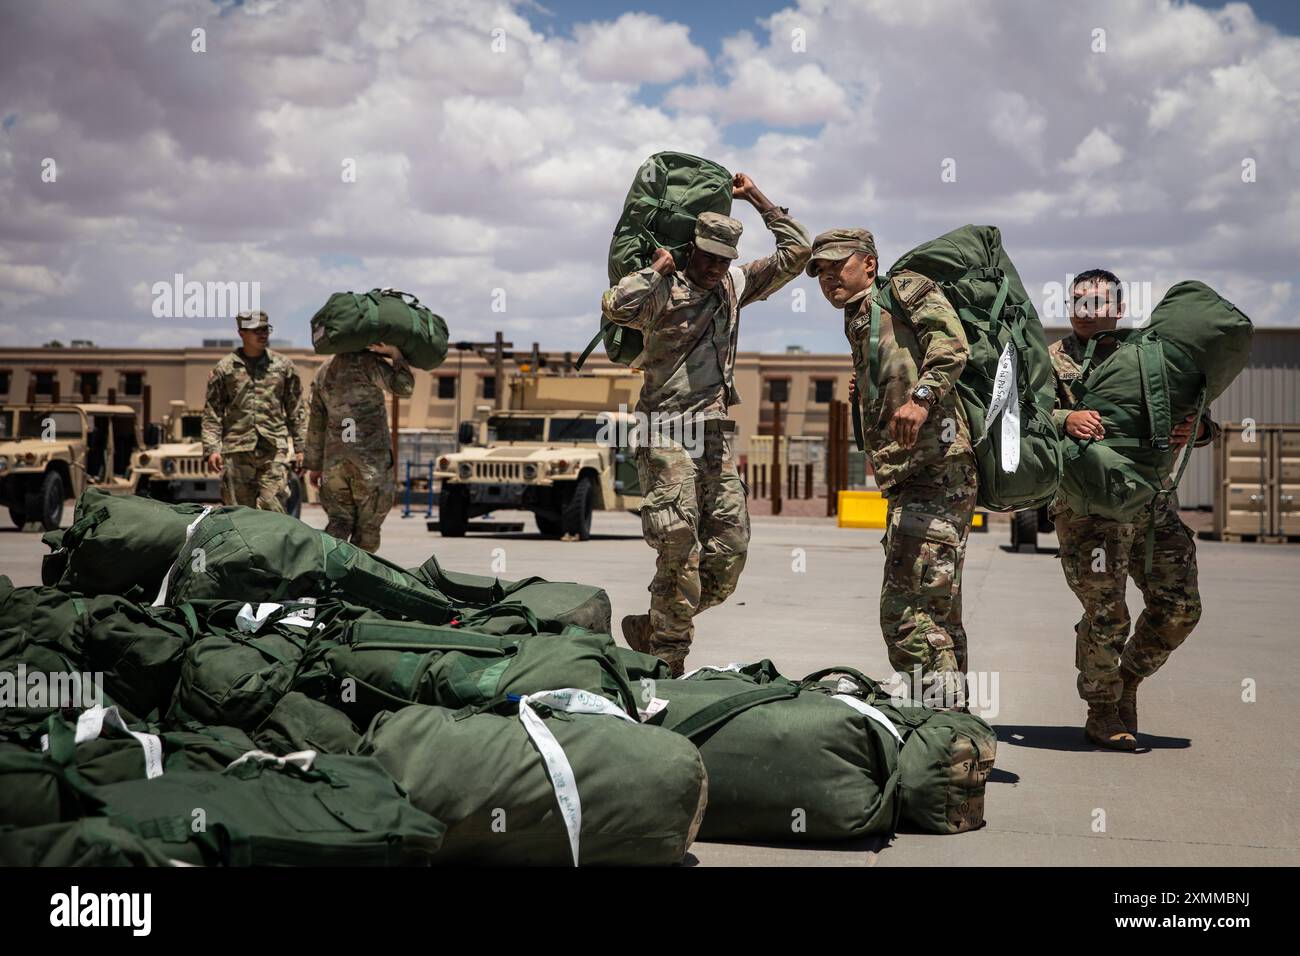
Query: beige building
[1268,391]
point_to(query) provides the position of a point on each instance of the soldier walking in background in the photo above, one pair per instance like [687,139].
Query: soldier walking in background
[349,445]
[694,512]
[1099,554]
[252,411]
[918,441]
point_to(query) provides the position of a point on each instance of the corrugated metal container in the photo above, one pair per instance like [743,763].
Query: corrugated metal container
[1243,476]
[1286,504]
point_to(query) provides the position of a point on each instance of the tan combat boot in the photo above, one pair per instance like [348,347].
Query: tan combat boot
[1105,729]
[1128,702]
[636,631]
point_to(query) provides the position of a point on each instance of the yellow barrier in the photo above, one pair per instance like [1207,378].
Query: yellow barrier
[869,509]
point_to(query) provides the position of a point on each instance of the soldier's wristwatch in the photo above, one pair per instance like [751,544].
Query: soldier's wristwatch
[923,395]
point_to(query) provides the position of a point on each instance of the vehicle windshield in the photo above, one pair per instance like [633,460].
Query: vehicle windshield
[6,425]
[192,427]
[509,428]
[575,429]
[39,424]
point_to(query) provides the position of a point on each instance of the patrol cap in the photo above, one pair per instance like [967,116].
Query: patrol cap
[840,244]
[717,234]
[251,321]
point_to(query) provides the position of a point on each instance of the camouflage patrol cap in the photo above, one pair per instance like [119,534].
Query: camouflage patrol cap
[250,321]
[840,244]
[717,234]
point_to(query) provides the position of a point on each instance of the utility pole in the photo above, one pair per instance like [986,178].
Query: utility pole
[493,352]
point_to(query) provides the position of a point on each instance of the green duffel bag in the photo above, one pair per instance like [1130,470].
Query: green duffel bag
[354,321]
[569,780]
[1195,345]
[641,667]
[236,679]
[102,748]
[40,682]
[784,764]
[667,196]
[116,543]
[1006,388]
[300,723]
[246,554]
[555,604]
[92,841]
[39,615]
[385,665]
[136,648]
[946,757]
[301,810]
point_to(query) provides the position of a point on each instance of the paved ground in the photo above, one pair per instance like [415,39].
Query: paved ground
[1216,783]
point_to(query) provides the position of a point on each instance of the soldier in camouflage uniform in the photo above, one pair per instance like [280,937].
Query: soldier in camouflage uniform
[349,445]
[1099,554]
[918,441]
[253,408]
[694,511]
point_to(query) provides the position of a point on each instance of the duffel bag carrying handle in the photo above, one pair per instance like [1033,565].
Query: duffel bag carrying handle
[867,683]
[723,710]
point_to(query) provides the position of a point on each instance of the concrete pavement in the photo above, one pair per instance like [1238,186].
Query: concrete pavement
[1215,782]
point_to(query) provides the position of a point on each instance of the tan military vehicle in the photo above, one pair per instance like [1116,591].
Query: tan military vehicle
[50,454]
[173,467]
[560,451]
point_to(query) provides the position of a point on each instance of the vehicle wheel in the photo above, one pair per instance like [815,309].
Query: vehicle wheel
[49,501]
[1024,531]
[18,516]
[575,517]
[293,504]
[453,511]
[550,527]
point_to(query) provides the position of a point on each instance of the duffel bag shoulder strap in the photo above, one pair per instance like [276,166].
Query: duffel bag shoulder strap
[722,711]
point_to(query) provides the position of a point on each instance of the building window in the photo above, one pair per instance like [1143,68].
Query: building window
[87,382]
[778,390]
[6,379]
[489,386]
[824,390]
[133,383]
[44,383]
[446,386]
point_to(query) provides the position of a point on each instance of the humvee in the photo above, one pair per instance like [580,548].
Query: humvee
[50,453]
[173,468]
[556,454]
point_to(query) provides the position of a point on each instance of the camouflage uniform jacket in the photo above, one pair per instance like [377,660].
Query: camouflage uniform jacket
[926,346]
[350,387]
[1067,361]
[248,400]
[677,318]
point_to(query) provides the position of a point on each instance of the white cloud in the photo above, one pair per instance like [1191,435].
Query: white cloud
[637,48]
[1095,152]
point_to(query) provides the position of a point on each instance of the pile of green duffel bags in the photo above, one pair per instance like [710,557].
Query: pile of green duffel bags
[272,696]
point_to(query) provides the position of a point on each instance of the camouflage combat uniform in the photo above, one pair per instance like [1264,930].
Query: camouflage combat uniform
[1098,556]
[349,441]
[694,512]
[931,486]
[253,408]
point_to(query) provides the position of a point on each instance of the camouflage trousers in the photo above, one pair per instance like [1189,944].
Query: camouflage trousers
[925,548]
[695,515]
[357,499]
[1098,556]
[256,479]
